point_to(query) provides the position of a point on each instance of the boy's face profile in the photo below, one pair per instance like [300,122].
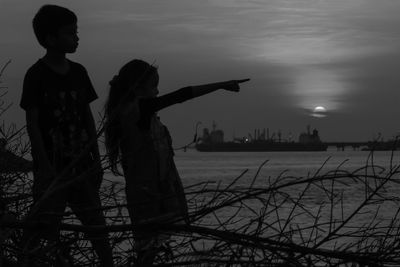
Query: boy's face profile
[66,39]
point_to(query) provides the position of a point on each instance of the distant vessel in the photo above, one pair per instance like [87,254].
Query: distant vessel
[261,141]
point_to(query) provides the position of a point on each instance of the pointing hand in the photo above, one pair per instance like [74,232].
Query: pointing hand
[233,85]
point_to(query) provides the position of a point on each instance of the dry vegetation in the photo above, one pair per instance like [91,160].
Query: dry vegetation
[231,225]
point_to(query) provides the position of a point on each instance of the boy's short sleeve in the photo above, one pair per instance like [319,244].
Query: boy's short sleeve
[30,90]
[90,92]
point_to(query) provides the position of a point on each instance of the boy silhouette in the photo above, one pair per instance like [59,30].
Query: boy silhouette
[56,96]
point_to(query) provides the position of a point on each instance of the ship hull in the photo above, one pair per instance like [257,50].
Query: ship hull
[259,147]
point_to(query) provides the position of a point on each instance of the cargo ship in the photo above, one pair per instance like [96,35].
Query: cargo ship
[260,141]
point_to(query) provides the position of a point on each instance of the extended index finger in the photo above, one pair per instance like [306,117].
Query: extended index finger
[242,80]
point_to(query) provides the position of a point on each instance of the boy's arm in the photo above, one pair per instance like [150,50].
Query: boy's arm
[92,134]
[91,129]
[37,144]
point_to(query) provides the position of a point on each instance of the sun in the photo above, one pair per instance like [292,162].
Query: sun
[319,109]
[319,112]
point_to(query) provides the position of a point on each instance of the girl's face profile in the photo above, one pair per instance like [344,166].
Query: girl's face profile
[149,88]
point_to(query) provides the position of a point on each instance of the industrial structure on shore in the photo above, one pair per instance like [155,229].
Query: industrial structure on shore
[213,141]
[259,141]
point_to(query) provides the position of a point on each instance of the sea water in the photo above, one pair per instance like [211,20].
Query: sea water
[221,168]
[197,166]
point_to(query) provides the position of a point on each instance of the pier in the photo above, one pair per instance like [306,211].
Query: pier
[341,145]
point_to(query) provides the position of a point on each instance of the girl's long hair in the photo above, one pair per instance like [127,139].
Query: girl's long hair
[122,90]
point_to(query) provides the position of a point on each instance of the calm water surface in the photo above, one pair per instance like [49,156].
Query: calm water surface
[223,166]
[195,167]
[220,167]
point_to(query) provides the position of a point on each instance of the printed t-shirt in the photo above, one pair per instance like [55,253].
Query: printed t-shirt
[61,101]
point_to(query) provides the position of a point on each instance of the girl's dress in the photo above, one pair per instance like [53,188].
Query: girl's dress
[153,187]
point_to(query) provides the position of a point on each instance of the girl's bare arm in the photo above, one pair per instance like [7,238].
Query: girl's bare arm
[233,85]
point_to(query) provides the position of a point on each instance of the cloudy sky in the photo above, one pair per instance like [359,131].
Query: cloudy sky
[342,55]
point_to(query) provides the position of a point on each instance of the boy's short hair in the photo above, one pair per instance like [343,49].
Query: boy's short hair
[49,19]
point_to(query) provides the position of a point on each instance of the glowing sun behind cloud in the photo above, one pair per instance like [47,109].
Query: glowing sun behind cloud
[319,112]
[319,109]
[319,91]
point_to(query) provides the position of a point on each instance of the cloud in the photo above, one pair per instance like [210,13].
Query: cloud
[341,54]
